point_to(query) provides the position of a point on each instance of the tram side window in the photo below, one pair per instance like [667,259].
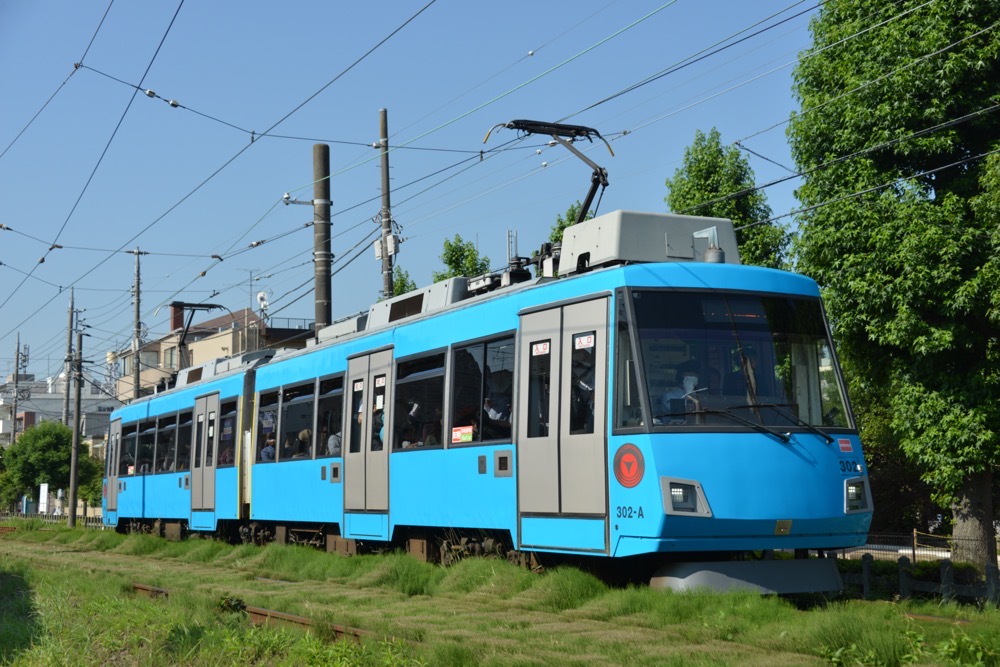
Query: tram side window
[539,383]
[267,425]
[330,411]
[147,442]
[357,412]
[419,402]
[166,451]
[110,455]
[296,426]
[199,432]
[210,440]
[482,391]
[378,414]
[581,412]
[126,462]
[184,441]
[227,435]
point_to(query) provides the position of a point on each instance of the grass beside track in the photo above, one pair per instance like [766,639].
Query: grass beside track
[66,598]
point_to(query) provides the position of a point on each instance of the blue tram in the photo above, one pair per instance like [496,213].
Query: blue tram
[655,399]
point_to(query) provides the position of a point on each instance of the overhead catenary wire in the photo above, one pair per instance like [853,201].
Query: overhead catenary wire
[227,163]
[705,99]
[872,82]
[701,55]
[61,85]
[530,54]
[429,188]
[843,158]
[97,166]
[615,34]
[506,93]
[253,134]
[876,188]
[477,196]
[786,65]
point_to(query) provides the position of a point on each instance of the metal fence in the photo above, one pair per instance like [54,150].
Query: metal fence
[916,546]
[83,521]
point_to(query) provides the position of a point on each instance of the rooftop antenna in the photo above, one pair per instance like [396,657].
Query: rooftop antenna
[566,135]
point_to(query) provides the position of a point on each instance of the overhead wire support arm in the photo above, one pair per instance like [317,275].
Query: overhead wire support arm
[566,134]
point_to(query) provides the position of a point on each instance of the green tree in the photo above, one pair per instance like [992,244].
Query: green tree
[905,247]
[562,222]
[703,184]
[41,454]
[461,259]
[401,281]
[91,480]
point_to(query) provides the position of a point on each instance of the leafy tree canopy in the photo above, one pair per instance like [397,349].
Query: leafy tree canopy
[42,455]
[562,222]
[461,259]
[703,185]
[401,281]
[903,244]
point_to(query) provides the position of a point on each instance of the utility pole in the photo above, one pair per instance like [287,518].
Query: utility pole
[74,452]
[388,244]
[17,372]
[68,366]
[137,342]
[321,234]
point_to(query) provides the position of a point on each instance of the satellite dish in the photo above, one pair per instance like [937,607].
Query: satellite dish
[262,300]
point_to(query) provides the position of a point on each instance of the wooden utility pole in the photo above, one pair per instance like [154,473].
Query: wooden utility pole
[74,452]
[321,234]
[387,243]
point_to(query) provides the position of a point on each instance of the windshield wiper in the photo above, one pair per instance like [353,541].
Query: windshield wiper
[784,437]
[791,417]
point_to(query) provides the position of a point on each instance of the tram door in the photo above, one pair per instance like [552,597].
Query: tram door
[206,420]
[366,452]
[112,454]
[561,448]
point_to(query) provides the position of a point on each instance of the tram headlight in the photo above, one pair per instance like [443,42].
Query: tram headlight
[683,497]
[856,495]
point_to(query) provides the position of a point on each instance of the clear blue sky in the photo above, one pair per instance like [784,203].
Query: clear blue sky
[185,183]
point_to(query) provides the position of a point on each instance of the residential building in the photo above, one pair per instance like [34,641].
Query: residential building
[229,335]
[43,400]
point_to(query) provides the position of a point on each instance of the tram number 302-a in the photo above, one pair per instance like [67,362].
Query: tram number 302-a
[629,512]
[850,466]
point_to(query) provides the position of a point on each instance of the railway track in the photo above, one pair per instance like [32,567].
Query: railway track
[271,617]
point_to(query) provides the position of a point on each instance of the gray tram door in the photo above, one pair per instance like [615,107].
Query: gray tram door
[561,448]
[114,445]
[366,453]
[203,454]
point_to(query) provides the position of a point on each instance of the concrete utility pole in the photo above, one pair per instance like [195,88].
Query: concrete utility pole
[321,234]
[17,371]
[386,208]
[68,366]
[74,452]
[138,327]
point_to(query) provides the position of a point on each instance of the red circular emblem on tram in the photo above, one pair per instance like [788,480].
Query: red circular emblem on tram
[629,465]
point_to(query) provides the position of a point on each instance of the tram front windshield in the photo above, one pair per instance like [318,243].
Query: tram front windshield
[736,359]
